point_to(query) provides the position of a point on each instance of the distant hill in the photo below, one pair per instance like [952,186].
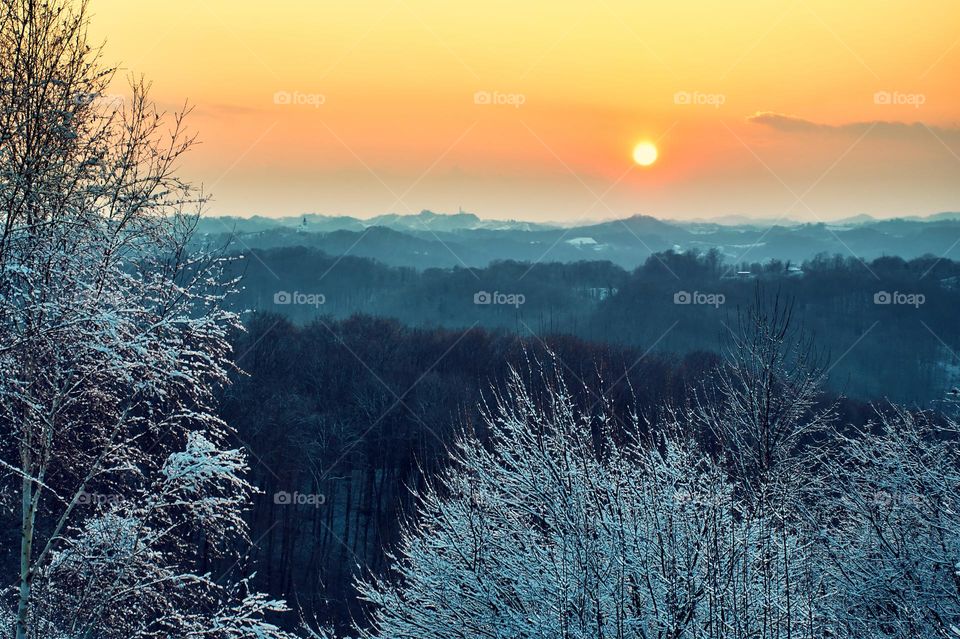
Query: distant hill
[738,220]
[426,221]
[943,216]
[854,220]
[429,239]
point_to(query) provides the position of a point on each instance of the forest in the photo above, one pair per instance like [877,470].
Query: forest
[601,302]
[203,443]
[330,409]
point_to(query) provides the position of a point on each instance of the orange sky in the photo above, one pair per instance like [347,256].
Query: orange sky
[367,107]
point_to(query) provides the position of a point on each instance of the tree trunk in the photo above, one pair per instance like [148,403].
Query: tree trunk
[26,551]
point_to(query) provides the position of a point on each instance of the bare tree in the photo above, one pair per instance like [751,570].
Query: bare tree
[562,524]
[890,511]
[764,401]
[112,342]
[763,408]
[558,527]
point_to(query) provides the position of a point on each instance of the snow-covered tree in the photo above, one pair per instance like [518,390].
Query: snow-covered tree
[765,411]
[564,524]
[560,523]
[890,514]
[763,403]
[113,342]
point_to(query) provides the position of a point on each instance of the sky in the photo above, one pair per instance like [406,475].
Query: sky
[806,110]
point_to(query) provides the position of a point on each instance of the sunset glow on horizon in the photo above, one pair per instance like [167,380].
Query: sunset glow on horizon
[808,110]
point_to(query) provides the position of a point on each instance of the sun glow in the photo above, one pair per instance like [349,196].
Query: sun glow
[645,153]
[307,107]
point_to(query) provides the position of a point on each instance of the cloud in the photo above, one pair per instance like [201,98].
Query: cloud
[794,124]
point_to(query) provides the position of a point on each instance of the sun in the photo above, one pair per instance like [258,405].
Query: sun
[645,153]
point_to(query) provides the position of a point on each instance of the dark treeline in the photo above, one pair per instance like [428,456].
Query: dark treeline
[556,297]
[903,348]
[835,299]
[343,418]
